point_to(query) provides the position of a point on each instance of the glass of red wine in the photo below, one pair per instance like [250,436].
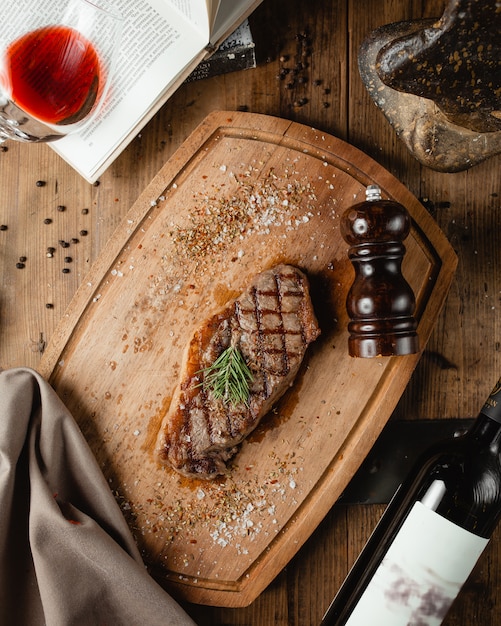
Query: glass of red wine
[56,66]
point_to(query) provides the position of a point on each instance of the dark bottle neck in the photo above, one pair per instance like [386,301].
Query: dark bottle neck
[486,430]
[492,406]
[488,423]
[487,426]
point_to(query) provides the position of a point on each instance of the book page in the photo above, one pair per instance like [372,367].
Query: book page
[231,13]
[157,44]
[199,12]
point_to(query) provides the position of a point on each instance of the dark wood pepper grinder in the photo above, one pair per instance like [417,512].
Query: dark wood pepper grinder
[380,302]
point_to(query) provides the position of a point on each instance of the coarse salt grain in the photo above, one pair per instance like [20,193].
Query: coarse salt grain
[251,210]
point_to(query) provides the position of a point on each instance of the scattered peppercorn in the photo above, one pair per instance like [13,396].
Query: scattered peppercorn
[85,211]
[49,305]
[68,259]
[22,259]
[64,244]
[47,220]
[84,233]
[40,183]
[75,240]
[20,265]
[96,184]
[66,270]
[61,208]
[51,249]
[3,227]
[4,148]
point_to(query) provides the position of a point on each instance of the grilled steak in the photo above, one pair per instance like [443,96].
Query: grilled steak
[271,324]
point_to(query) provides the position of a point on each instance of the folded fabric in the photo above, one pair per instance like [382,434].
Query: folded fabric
[67,556]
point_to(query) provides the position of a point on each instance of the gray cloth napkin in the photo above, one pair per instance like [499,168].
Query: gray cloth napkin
[67,556]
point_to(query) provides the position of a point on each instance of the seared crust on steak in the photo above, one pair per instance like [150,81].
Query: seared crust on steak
[272,324]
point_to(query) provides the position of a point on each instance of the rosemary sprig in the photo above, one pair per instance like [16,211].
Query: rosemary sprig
[228,377]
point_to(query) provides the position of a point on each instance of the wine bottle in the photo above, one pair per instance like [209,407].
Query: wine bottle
[431,534]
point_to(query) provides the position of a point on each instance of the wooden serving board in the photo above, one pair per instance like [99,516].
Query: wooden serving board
[243,193]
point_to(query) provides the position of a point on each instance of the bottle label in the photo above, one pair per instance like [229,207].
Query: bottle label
[421,574]
[492,406]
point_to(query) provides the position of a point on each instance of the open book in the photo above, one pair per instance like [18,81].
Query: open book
[163,42]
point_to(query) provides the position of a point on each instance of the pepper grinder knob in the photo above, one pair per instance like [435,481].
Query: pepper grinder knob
[380,302]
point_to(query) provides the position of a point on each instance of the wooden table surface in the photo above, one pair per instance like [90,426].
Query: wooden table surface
[462,359]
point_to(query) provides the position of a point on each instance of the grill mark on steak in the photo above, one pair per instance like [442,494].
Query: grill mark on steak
[260,312]
[272,324]
[285,354]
